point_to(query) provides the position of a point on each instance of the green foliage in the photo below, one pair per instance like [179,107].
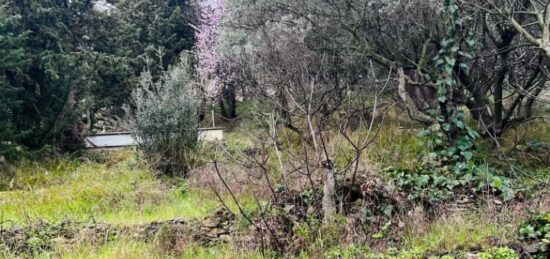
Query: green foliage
[453,54]
[57,71]
[537,230]
[150,26]
[498,253]
[449,168]
[459,150]
[119,191]
[457,233]
[11,57]
[62,59]
[384,231]
[166,120]
[447,171]
[351,251]
[316,237]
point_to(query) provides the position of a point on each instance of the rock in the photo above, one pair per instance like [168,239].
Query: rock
[59,241]
[148,231]
[531,248]
[216,228]
[209,223]
[226,238]
[98,233]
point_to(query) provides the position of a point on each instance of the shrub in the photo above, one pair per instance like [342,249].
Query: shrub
[449,170]
[537,231]
[166,117]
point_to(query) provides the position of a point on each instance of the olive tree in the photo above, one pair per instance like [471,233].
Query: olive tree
[166,117]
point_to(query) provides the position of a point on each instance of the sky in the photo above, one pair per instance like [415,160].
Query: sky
[102,6]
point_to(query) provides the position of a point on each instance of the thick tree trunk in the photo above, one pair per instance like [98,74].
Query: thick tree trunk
[228,103]
[203,108]
[410,105]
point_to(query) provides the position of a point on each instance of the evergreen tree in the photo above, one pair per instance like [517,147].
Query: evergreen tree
[61,58]
[11,62]
[156,27]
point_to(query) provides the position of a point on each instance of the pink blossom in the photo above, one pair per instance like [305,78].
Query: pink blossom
[207,33]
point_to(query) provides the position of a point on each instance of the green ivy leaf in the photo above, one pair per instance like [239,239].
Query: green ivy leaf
[423,133]
[453,8]
[471,42]
[528,231]
[507,194]
[459,124]
[497,183]
[451,150]
[467,155]
[464,144]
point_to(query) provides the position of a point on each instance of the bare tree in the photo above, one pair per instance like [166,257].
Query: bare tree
[530,18]
[499,82]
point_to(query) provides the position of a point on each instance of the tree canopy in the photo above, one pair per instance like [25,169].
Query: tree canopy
[63,60]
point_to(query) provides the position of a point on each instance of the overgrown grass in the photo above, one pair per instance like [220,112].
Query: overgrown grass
[128,248]
[395,145]
[119,193]
[118,189]
[463,232]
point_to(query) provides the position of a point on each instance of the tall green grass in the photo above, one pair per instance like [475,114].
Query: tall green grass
[455,233]
[118,193]
[128,248]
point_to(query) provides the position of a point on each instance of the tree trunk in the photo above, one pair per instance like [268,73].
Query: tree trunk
[410,105]
[228,102]
[329,194]
[506,38]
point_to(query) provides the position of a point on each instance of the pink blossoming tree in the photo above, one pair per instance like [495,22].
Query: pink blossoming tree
[209,59]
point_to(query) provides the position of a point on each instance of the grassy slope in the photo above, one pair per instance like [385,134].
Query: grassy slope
[121,193]
[135,249]
[118,191]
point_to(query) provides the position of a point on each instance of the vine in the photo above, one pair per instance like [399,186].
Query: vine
[453,55]
[449,170]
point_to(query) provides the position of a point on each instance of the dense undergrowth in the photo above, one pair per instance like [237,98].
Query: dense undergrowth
[341,141]
[117,188]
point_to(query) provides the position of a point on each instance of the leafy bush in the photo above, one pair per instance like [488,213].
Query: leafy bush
[537,230]
[448,169]
[166,117]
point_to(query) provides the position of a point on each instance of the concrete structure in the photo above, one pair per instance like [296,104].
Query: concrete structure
[211,134]
[110,140]
[125,139]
